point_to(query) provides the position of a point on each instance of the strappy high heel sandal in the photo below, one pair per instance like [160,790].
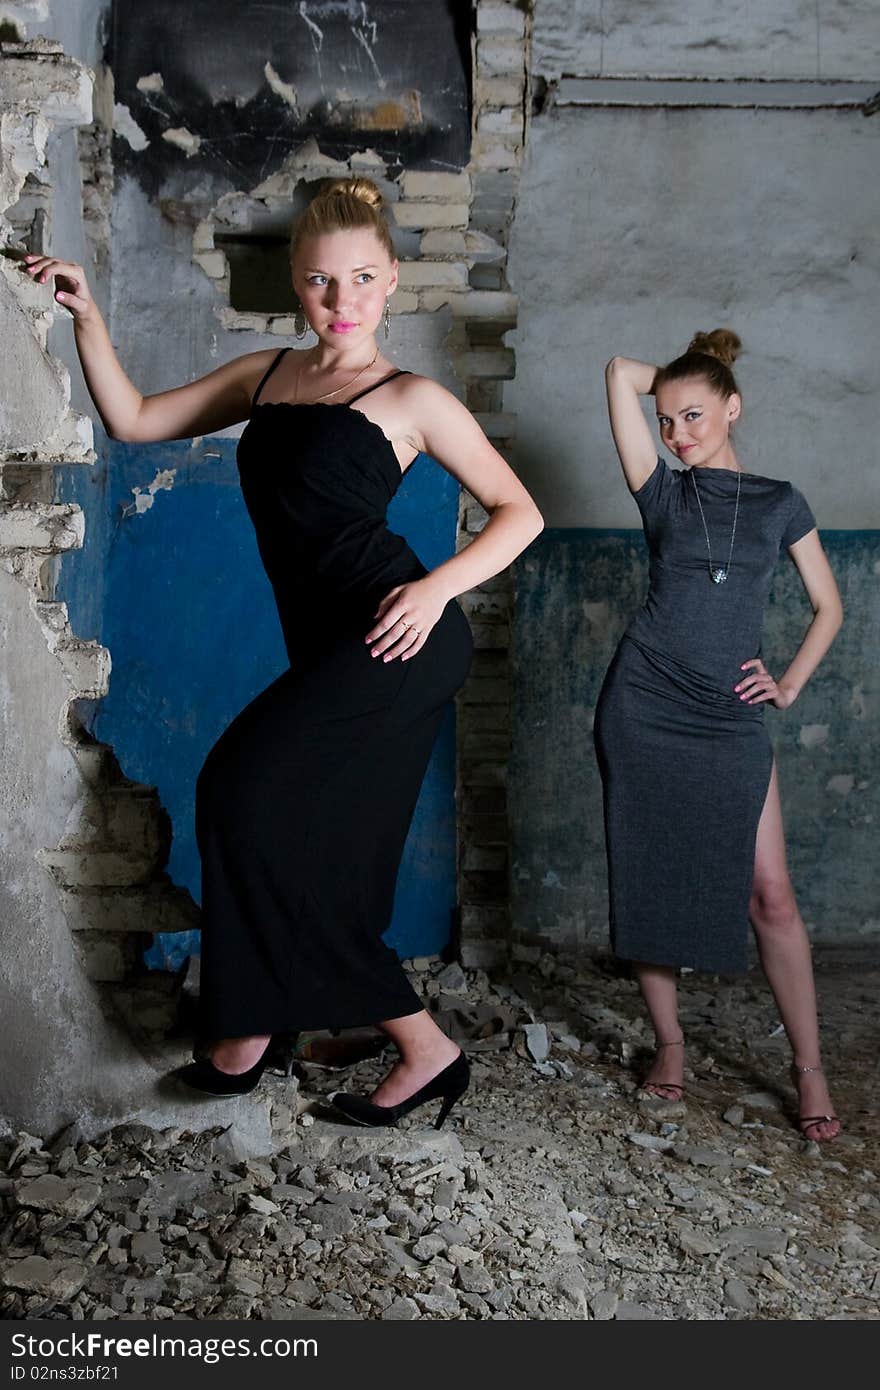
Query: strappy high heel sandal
[449,1085]
[808,1122]
[659,1089]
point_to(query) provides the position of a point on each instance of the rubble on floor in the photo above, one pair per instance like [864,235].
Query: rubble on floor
[556,1191]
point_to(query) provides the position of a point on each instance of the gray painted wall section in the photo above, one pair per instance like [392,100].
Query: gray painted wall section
[635,228]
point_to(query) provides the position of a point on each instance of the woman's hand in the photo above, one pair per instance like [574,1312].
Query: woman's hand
[405,617]
[759,686]
[71,286]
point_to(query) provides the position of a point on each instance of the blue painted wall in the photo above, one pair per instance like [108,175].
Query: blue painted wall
[177,592]
[575,592]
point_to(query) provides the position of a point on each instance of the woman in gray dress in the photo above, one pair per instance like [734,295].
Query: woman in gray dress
[692,816]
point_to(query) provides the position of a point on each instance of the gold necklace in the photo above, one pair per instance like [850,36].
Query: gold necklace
[326,395]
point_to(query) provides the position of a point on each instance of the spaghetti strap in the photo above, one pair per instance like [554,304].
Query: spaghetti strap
[265,377]
[376,384]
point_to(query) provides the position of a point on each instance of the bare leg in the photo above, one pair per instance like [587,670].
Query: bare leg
[665,1076]
[235,1055]
[424,1049]
[784,949]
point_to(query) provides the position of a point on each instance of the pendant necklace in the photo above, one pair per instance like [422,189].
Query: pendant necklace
[327,394]
[718,573]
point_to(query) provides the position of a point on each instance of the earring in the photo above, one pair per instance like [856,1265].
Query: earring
[300,322]
[386,318]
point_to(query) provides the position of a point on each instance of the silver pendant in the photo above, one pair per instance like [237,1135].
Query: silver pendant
[718,574]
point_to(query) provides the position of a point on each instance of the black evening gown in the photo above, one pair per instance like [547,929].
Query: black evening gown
[685,763]
[303,804]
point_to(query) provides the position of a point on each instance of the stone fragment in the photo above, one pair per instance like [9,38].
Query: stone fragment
[604,1304]
[537,1041]
[634,1312]
[693,1241]
[766,1240]
[58,1280]
[475,1278]
[147,1248]
[452,979]
[401,1310]
[650,1141]
[73,1198]
[734,1115]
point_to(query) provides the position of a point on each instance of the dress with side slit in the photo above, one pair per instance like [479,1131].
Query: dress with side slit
[686,763]
[304,803]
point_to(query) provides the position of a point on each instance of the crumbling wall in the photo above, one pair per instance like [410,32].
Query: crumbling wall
[81,847]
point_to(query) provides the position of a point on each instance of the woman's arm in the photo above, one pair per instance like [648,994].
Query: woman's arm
[625,381]
[824,595]
[450,434]
[214,402]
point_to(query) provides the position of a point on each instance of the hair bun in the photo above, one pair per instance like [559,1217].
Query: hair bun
[722,343]
[363,189]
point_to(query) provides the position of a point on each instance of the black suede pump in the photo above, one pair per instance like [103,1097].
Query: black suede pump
[448,1085]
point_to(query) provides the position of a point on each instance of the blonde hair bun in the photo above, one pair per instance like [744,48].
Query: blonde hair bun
[722,343]
[363,189]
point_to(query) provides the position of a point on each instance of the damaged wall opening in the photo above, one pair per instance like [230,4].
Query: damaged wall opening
[259,272]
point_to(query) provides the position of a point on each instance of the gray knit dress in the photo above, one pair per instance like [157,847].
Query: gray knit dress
[685,763]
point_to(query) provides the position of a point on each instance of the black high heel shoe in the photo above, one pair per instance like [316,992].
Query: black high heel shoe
[202,1075]
[448,1085]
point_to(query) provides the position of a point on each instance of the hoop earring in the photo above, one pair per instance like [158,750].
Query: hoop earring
[386,318]
[300,323]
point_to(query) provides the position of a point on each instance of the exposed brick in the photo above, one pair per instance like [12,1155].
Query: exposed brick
[499,57]
[499,305]
[444,243]
[493,718]
[417,184]
[506,122]
[485,920]
[485,691]
[432,214]
[482,800]
[495,92]
[498,363]
[484,829]
[485,886]
[485,745]
[415,274]
[404,302]
[477,857]
[500,19]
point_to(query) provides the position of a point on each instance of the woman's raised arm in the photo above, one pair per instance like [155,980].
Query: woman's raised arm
[214,402]
[625,381]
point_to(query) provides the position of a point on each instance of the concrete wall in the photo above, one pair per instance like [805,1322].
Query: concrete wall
[707,38]
[638,224]
[636,227]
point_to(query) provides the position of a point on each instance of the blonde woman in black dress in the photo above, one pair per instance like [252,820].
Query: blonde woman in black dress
[693,821]
[303,805]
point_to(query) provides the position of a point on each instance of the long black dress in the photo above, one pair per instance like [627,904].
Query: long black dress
[685,762]
[303,805]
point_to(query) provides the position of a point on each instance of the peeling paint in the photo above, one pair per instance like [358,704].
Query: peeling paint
[151,82]
[283,89]
[813,735]
[842,784]
[144,497]
[183,139]
[393,115]
[125,125]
